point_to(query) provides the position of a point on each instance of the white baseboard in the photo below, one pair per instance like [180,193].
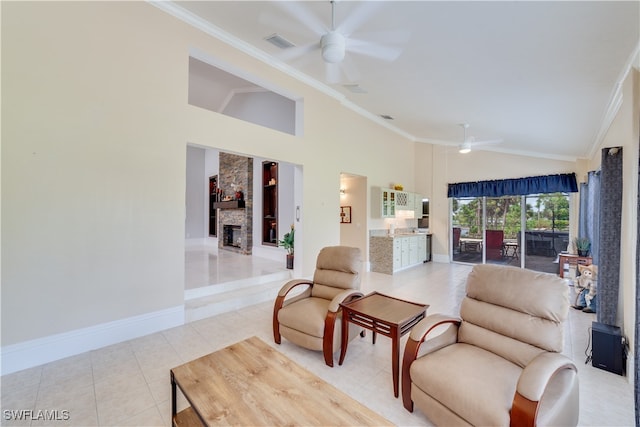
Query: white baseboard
[202,241]
[272,253]
[441,258]
[28,354]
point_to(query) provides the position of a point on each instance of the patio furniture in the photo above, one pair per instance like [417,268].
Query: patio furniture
[470,245]
[456,240]
[494,239]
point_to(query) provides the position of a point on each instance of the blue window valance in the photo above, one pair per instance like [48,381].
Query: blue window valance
[562,183]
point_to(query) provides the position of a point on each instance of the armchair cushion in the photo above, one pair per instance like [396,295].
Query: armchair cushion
[502,365]
[485,395]
[306,316]
[311,318]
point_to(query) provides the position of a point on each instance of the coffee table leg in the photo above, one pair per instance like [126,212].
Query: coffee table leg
[345,335]
[173,398]
[395,355]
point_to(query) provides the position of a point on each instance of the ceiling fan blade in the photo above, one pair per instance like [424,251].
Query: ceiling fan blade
[388,37]
[300,12]
[358,16]
[350,70]
[485,142]
[385,53]
[297,51]
[332,72]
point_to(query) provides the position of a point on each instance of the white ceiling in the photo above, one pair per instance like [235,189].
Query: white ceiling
[543,76]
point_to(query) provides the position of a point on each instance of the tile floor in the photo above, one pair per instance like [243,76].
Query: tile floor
[206,265]
[127,384]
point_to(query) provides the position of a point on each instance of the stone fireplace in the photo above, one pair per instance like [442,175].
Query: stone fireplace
[235,218]
[232,236]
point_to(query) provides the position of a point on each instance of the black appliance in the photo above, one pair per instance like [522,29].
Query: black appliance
[608,348]
[424,221]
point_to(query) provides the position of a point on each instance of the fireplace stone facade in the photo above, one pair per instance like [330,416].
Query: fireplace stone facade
[235,175]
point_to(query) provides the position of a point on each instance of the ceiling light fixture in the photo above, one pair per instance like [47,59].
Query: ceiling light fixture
[465,148]
[333,47]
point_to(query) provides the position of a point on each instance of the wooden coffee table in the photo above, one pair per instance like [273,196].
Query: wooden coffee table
[251,383]
[382,314]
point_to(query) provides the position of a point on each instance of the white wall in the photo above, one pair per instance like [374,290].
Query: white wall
[355,234]
[263,108]
[196,186]
[94,141]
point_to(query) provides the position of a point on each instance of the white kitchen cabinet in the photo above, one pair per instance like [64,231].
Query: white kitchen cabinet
[397,254]
[389,254]
[417,205]
[386,200]
[402,201]
[422,248]
[405,254]
[413,250]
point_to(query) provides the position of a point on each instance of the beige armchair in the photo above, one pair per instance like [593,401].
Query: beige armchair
[311,318]
[499,363]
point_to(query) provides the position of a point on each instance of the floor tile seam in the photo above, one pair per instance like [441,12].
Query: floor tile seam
[95,393]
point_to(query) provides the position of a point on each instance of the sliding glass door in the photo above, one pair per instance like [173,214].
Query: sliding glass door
[503,225]
[467,230]
[489,230]
[547,230]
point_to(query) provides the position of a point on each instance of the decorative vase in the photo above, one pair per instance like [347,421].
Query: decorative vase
[290,261]
[583,252]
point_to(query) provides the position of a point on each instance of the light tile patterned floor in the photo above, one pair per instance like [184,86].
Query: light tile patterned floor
[127,384]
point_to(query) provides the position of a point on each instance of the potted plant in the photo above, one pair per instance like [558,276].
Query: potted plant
[287,243]
[583,245]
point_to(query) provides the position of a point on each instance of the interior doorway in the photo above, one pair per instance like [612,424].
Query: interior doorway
[206,264]
[353,212]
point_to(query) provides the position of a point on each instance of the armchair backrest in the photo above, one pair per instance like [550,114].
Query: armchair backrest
[513,312]
[337,268]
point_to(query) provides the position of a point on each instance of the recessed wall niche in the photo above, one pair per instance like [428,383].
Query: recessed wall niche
[222,92]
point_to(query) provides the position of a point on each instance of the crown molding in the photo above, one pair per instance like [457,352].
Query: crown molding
[615,101]
[195,21]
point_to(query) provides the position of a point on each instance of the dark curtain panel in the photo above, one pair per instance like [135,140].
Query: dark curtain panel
[609,236]
[563,183]
[589,216]
[584,203]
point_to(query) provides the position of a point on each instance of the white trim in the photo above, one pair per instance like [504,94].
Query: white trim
[615,101]
[28,354]
[234,92]
[195,21]
[440,258]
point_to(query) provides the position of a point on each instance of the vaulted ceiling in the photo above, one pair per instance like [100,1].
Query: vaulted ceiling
[543,77]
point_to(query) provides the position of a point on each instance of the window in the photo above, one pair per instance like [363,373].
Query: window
[490,230]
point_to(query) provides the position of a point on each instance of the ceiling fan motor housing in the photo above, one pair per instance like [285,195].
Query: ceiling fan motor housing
[333,47]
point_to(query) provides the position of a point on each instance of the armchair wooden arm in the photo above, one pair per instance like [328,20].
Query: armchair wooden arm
[532,384]
[281,301]
[330,321]
[418,336]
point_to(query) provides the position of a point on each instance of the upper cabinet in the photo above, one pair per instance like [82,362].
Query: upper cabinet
[402,201]
[389,201]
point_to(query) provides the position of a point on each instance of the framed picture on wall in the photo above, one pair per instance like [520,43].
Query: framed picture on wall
[345,214]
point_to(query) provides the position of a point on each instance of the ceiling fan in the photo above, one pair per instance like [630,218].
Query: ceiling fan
[334,42]
[469,142]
